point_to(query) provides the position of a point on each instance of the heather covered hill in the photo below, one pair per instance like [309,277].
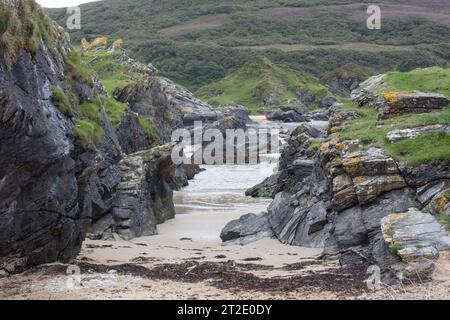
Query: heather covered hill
[200,42]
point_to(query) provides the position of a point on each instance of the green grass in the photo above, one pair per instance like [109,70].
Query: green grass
[26,29]
[434,79]
[147,126]
[115,110]
[113,74]
[427,148]
[77,70]
[253,84]
[395,248]
[60,100]
[445,221]
[87,132]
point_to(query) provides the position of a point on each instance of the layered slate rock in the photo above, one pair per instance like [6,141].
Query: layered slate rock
[409,133]
[248,228]
[417,238]
[372,174]
[144,196]
[51,187]
[395,104]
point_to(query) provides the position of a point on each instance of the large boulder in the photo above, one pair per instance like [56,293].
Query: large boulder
[417,238]
[248,228]
[286,116]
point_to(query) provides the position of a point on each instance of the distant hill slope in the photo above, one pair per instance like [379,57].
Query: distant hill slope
[197,42]
[262,83]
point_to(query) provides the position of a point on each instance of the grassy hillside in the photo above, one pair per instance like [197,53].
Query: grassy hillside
[427,148]
[258,81]
[197,42]
[433,79]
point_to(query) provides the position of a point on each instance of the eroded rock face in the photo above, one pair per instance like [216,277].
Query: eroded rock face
[144,196]
[50,186]
[417,238]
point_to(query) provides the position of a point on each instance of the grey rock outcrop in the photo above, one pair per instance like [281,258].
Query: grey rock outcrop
[248,228]
[286,116]
[51,187]
[409,133]
[417,238]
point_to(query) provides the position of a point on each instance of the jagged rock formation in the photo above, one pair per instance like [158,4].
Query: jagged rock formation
[143,197]
[336,194]
[51,187]
[65,171]
[394,104]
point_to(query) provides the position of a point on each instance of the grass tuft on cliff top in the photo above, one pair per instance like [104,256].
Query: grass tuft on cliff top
[252,84]
[427,148]
[112,73]
[434,79]
[26,29]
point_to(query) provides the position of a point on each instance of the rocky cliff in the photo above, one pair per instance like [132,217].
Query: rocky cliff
[356,200]
[51,184]
[70,165]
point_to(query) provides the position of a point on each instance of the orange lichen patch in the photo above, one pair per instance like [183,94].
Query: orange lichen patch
[340,146]
[442,200]
[335,129]
[353,165]
[392,97]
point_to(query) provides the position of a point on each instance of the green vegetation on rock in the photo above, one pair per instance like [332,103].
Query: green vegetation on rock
[445,221]
[434,79]
[113,74]
[26,29]
[258,81]
[395,248]
[87,132]
[60,100]
[427,148]
[147,126]
[77,70]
